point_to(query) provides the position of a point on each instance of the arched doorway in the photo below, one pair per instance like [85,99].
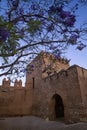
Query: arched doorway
[58,106]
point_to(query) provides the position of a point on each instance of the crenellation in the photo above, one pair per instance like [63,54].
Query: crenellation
[18,84]
[61,73]
[5,83]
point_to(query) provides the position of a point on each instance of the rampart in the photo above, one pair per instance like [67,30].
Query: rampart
[7,83]
[15,100]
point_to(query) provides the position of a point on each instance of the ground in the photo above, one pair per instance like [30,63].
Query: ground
[34,123]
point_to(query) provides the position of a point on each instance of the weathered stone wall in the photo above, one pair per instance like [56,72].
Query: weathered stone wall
[15,100]
[65,84]
[51,65]
[82,77]
[56,77]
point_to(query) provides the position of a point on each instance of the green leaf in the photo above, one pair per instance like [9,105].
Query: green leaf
[34,26]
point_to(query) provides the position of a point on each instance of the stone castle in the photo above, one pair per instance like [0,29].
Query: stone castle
[53,89]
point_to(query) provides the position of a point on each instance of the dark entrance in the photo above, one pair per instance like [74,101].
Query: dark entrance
[59,107]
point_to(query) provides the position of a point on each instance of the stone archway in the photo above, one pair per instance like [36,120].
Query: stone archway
[56,107]
[59,107]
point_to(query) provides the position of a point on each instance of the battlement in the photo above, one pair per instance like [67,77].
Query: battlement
[71,72]
[63,73]
[6,83]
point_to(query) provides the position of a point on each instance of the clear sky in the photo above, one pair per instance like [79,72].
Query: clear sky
[76,56]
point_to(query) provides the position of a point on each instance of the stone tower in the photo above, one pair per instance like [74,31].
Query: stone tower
[44,65]
[58,90]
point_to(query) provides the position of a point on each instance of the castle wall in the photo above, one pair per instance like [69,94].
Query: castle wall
[45,78]
[82,77]
[41,88]
[65,84]
[15,100]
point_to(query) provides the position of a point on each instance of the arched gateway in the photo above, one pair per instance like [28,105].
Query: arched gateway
[58,107]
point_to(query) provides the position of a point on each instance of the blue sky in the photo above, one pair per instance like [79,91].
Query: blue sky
[76,56]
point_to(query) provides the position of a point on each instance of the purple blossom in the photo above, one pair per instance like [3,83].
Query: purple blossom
[21,11]
[41,12]
[35,7]
[65,30]
[70,21]
[59,8]
[81,46]
[50,28]
[23,70]
[73,38]
[14,3]
[57,55]
[52,9]
[4,34]
[64,14]
[52,47]
[77,30]
[31,66]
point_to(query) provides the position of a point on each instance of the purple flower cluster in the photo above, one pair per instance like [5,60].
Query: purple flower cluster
[35,6]
[70,20]
[4,34]
[73,38]
[14,3]
[21,10]
[64,14]
[54,9]
[64,17]
[50,28]
[57,56]
[81,46]
[77,30]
